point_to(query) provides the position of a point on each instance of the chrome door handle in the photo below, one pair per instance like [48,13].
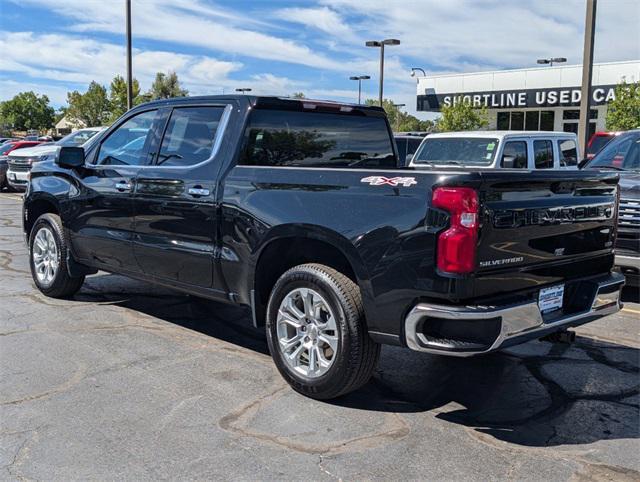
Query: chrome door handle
[198,191]
[123,186]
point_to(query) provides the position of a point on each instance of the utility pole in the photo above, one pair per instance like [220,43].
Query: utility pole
[129,65]
[587,71]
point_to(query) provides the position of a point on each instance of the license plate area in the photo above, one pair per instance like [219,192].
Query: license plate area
[19,176]
[551,299]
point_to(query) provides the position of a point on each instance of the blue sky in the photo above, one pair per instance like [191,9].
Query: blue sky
[280,47]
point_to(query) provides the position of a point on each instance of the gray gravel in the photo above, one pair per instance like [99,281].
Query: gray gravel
[130,381]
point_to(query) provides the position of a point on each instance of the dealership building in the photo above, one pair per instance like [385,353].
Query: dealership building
[544,98]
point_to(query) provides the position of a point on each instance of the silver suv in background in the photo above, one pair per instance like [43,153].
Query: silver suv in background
[21,161]
[530,150]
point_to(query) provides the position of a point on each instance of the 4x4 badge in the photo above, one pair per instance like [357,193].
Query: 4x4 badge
[389,181]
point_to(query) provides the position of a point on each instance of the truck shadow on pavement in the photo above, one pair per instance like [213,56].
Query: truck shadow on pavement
[538,394]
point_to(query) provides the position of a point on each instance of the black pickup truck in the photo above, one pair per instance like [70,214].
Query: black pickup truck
[297,209]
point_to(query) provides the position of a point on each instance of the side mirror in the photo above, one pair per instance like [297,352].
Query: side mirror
[70,157]
[508,162]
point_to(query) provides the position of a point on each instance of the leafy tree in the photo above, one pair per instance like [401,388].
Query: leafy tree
[92,107]
[298,95]
[166,86]
[118,96]
[26,111]
[462,116]
[401,121]
[623,113]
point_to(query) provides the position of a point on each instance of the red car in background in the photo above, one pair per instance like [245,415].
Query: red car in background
[598,141]
[5,149]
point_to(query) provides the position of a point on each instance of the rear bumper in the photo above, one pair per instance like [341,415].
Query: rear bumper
[506,325]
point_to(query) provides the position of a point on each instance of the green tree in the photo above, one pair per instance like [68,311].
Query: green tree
[401,121]
[92,107]
[118,96]
[623,113]
[462,116]
[166,86]
[298,95]
[27,110]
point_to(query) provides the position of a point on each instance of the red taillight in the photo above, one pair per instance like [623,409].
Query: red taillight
[457,245]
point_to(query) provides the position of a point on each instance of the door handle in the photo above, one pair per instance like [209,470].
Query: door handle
[123,186]
[198,191]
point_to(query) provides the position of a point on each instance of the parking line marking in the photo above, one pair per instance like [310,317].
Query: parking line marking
[629,310]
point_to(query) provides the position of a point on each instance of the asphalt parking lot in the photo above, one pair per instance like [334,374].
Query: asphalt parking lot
[129,381]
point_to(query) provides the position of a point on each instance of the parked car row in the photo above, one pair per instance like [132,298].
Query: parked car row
[18,157]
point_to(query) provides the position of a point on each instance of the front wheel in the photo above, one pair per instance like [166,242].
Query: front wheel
[316,332]
[48,247]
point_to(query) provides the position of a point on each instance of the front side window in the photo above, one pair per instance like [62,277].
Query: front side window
[568,153]
[479,151]
[189,137]
[316,139]
[126,145]
[543,154]
[514,155]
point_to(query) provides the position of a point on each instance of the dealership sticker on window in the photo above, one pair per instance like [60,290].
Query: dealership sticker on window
[491,146]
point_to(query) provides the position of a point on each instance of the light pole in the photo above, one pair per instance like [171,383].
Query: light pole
[359,78]
[550,61]
[587,72]
[380,44]
[397,106]
[243,89]
[414,69]
[129,67]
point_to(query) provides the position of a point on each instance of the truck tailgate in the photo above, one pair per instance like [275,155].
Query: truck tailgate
[542,227]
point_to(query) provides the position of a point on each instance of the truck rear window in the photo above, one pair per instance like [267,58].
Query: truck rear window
[457,150]
[313,139]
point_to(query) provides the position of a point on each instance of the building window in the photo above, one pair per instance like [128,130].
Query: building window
[517,121]
[532,120]
[574,114]
[547,119]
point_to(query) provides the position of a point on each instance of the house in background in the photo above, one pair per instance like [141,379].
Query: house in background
[67,125]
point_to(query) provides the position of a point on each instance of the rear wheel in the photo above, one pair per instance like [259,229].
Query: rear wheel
[317,334]
[48,247]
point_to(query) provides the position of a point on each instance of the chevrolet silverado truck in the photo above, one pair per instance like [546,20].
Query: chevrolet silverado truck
[298,210]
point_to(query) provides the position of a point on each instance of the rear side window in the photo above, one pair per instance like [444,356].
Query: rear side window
[543,154]
[568,153]
[514,155]
[314,139]
[189,136]
[412,145]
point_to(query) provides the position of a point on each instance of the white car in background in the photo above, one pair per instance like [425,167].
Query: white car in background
[532,150]
[20,161]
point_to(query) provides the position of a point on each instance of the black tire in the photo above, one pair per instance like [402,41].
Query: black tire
[62,284]
[357,354]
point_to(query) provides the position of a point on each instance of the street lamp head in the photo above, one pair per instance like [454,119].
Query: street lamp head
[415,69]
[391,41]
[243,89]
[544,61]
[354,78]
[373,43]
[559,59]
[365,77]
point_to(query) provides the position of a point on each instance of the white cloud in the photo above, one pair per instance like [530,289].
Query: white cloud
[188,23]
[322,18]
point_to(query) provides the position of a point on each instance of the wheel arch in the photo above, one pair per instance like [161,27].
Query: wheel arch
[288,246]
